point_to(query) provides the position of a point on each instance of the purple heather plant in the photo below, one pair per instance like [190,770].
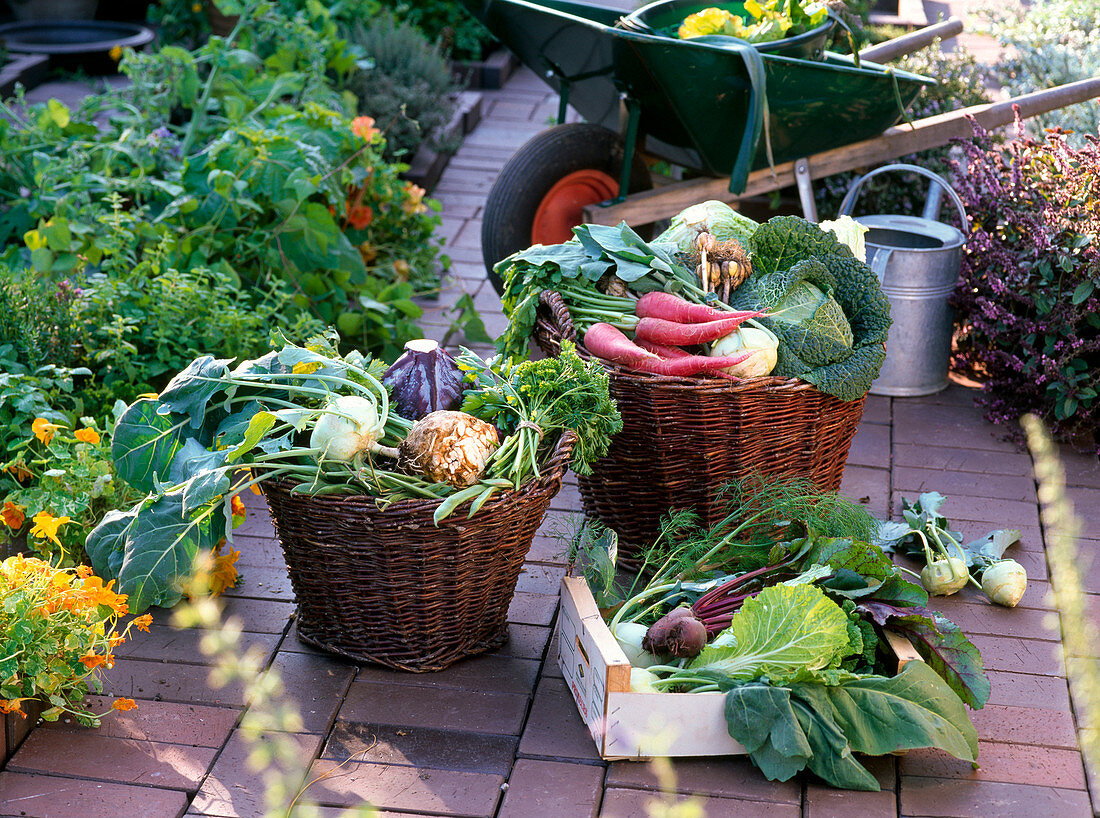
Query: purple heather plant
[1028,299]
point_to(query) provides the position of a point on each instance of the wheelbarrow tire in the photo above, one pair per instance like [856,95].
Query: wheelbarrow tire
[542,162]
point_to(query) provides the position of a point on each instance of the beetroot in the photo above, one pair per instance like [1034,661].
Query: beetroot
[677,633]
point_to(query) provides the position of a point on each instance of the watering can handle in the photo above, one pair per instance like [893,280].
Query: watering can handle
[849,202]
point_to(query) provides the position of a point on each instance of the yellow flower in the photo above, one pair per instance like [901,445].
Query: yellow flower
[87,436]
[46,525]
[13,515]
[44,430]
[196,8]
[115,53]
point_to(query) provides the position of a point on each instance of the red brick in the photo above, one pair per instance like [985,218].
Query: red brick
[983,617]
[257,552]
[975,516]
[1081,469]
[568,499]
[708,776]
[948,798]
[234,790]
[548,549]
[422,747]
[1010,763]
[126,761]
[167,722]
[488,674]
[1028,690]
[444,708]
[533,609]
[826,802]
[869,487]
[46,796]
[316,685]
[405,788]
[876,409]
[552,788]
[1014,655]
[634,803]
[255,615]
[1018,487]
[870,446]
[264,583]
[1025,725]
[555,728]
[948,458]
[140,679]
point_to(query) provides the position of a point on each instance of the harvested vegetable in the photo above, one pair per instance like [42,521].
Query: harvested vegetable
[716,219]
[1005,582]
[771,20]
[661,331]
[945,576]
[448,447]
[631,638]
[849,232]
[606,342]
[424,379]
[678,633]
[757,339]
[672,308]
[346,428]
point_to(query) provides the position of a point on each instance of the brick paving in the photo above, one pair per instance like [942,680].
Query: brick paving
[499,735]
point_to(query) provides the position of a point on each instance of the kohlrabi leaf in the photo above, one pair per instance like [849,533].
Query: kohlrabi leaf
[832,759]
[991,547]
[783,630]
[191,391]
[941,643]
[760,717]
[106,544]
[145,442]
[880,714]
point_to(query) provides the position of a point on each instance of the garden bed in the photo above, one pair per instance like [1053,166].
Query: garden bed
[428,164]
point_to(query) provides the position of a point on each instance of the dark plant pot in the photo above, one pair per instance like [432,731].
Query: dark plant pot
[53,9]
[220,24]
[14,729]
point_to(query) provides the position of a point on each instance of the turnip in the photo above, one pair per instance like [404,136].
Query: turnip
[424,379]
[945,576]
[677,633]
[1004,582]
[748,339]
[347,426]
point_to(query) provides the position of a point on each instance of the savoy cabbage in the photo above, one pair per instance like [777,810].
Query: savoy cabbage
[825,305]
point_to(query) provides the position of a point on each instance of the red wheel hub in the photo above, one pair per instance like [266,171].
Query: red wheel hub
[560,209]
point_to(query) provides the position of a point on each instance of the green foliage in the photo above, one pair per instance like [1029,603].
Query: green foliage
[47,392]
[404,84]
[447,24]
[787,729]
[1050,43]
[68,475]
[959,84]
[788,253]
[36,322]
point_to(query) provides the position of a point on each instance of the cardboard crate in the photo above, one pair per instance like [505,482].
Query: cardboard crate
[638,726]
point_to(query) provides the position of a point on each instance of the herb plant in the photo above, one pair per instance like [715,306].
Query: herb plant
[1028,300]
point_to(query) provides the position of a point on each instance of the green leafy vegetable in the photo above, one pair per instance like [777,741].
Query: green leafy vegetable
[827,307]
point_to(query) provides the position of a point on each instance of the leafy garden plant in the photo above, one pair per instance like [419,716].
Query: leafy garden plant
[58,627]
[1028,299]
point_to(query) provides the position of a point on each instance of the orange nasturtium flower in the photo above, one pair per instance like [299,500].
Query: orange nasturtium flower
[99,594]
[363,127]
[358,216]
[143,622]
[46,525]
[224,573]
[415,202]
[12,706]
[240,513]
[44,430]
[13,515]
[19,472]
[93,660]
[123,704]
[87,436]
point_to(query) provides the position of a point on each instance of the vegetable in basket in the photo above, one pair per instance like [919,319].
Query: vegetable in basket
[448,447]
[606,342]
[424,379]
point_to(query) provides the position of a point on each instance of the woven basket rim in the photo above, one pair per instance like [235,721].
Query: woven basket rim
[553,471]
[553,301]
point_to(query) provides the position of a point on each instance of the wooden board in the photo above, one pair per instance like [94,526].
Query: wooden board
[661,203]
[639,726]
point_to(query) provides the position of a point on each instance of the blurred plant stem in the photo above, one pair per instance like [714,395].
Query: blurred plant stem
[1080,636]
[272,722]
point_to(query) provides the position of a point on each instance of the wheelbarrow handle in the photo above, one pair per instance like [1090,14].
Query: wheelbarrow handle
[849,202]
[914,41]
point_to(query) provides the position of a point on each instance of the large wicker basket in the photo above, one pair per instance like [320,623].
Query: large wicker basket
[683,438]
[388,586]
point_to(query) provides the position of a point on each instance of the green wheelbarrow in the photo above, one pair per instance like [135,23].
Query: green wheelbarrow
[742,119]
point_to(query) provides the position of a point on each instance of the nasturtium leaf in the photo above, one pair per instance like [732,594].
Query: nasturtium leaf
[191,390]
[145,443]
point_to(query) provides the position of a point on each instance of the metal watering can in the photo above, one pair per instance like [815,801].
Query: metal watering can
[917,262]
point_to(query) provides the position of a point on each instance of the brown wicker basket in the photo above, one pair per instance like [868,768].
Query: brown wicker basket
[388,586]
[683,438]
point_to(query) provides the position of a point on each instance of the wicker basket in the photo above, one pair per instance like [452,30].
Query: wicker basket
[683,438]
[389,587]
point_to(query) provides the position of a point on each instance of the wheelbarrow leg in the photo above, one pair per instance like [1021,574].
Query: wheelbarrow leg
[805,189]
[630,140]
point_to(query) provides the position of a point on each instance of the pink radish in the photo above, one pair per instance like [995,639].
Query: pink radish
[662,350]
[607,342]
[673,333]
[673,308]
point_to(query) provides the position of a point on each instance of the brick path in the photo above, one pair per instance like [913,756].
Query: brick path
[499,735]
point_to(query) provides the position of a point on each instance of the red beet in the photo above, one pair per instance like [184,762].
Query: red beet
[677,633]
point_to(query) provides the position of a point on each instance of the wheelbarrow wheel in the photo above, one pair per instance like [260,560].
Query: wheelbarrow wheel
[541,190]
